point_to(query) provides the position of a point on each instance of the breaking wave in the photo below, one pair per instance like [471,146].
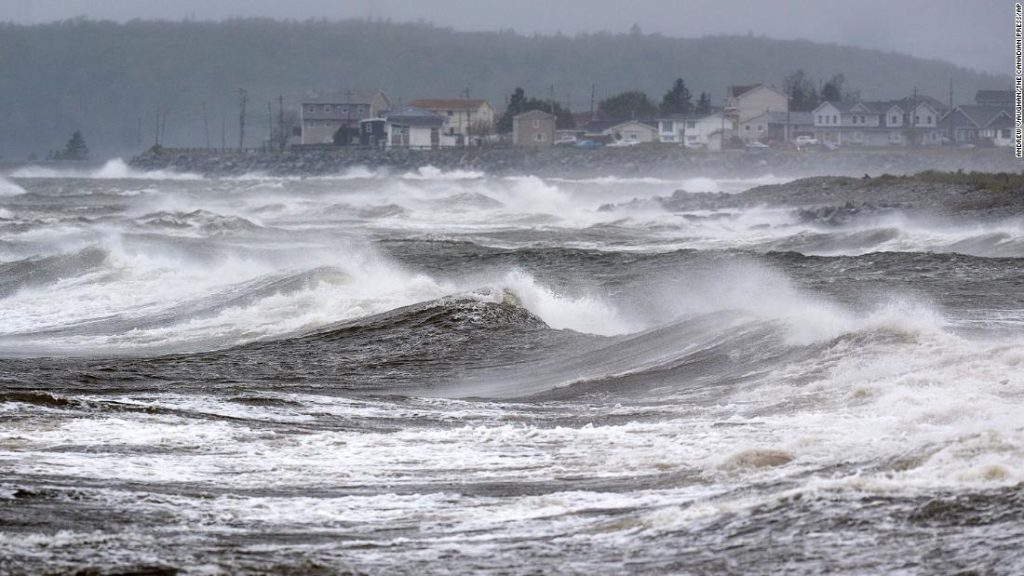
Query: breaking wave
[115,169]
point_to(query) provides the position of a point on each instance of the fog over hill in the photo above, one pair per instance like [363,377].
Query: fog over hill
[109,79]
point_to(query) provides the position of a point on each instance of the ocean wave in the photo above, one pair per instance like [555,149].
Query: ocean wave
[115,169]
[436,174]
[8,188]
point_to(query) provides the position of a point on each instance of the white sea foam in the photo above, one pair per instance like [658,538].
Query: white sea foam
[8,188]
[115,169]
[434,173]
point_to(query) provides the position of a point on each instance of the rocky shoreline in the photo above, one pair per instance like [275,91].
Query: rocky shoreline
[837,200]
[646,160]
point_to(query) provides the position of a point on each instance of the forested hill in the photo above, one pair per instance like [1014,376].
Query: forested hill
[106,79]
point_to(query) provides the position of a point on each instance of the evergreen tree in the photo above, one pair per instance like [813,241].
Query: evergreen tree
[519,103]
[677,99]
[76,148]
[627,106]
[803,96]
[704,104]
[833,89]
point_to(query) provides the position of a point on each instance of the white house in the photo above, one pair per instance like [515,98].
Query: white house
[696,132]
[463,117]
[415,128]
[881,123]
[633,131]
[672,129]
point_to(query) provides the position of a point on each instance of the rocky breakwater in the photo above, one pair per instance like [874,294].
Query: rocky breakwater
[645,160]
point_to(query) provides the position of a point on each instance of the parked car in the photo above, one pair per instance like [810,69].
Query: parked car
[566,141]
[755,145]
[589,144]
[623,144]
[806,141]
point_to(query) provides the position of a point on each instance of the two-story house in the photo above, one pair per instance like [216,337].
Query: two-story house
[989,121]
[742,103]
[468,119]
[912,120]
[322,115]
[535,128]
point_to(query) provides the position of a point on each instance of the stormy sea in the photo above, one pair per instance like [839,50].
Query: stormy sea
[454,372]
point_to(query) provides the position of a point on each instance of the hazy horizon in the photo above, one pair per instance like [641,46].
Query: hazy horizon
[965,34]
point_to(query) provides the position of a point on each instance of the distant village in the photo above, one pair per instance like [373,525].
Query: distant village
[753,116]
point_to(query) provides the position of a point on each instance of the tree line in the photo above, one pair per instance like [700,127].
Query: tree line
[628,105]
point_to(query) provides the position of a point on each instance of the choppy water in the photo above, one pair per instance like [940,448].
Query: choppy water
[455,373]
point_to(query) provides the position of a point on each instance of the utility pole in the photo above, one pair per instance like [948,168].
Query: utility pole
[223,134]
[552,95]
[465,130]
[241,119]
[282,137]
[952,118]
[593,98]
[156,129]
[206,125]
[270,126]
[163,125]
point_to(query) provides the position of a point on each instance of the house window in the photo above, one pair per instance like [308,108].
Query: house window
[747,127]
[894,120]
[667,126]
[691,124]
[539,136]
[760,127]
[536,123]
[928,119]
[917,119]
[450,113]
[819,119]
[835,119]
[327,107]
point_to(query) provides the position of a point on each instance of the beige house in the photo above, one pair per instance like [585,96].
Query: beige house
[535,128]
[744,103]
[463,117]
[322,114]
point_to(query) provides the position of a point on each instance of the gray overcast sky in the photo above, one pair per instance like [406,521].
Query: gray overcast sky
[972,33]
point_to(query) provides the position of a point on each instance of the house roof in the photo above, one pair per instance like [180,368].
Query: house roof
[649,124]
[533,114]
[412,116]
[343,97]
[839,105]
[994,97]
[447,103]
[912,102]
[738,91]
